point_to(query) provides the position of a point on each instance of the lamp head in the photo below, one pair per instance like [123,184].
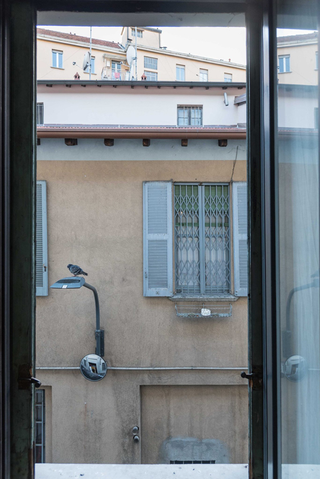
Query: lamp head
[75,282]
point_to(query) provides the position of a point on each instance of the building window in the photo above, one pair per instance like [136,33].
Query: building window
[203,75]
[40,425]
[190,115]
[57,59]
[93,65]
[139,33]
[284,63]
[180,72]
[151,76]
[40,111]
[316,61]
[202,238]
[228,77]
[41,240]
[151,63]
[116,70]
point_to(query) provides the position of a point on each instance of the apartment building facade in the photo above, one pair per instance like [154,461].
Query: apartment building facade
[153,207]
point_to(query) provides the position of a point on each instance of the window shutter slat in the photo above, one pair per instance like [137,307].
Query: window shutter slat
[157,239]
[240,238]
[41,240]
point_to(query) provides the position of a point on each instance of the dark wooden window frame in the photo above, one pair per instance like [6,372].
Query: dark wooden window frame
[18,146]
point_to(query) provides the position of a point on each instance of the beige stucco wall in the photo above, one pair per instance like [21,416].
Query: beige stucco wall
[302,64]
[167,67]
[149,38]
[72,53]
[166,63]
[95,220]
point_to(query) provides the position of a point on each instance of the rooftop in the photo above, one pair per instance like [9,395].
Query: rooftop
[78,38]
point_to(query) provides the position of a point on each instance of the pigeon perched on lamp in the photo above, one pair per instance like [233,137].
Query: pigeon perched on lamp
[76,270]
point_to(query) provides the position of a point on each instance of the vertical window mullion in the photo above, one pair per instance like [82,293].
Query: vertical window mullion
[202,256]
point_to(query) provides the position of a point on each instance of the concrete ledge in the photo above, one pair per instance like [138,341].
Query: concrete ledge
[165,471]
[133,471]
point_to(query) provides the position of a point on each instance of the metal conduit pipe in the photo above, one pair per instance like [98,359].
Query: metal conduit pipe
[114,368]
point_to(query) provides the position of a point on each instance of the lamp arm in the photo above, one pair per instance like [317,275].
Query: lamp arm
[96,299]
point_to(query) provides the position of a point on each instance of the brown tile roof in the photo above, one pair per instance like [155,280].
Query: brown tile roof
[298,38]
[78,38]
[132,131]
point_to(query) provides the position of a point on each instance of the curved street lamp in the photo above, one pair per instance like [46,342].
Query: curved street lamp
[76,282]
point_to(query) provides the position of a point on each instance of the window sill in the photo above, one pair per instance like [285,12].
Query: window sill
[57,68]
[203,299]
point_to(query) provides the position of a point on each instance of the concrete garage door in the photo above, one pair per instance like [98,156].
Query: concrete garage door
[180,424]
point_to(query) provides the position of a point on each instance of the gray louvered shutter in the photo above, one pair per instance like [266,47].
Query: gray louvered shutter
[157,238]
[240,238]
[41,240]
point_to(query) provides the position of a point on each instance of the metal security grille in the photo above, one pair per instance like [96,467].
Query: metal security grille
[40,425]
[189,115]
[202,239]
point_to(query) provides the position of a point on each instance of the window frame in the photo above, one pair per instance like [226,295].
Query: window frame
[205,72]
[133,32]
[283,62]
[56,56]
[19,106]
[148,65]
[189,108]
[40,113]
[149,74]
[227,77]
[42,421]
[180,69]
[204,289]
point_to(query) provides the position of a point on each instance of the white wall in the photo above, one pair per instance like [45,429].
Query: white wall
[139,106]
[296,110]
[132,150]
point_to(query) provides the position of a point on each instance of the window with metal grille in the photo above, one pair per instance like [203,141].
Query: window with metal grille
[40,425]
[189,115]
[284,63]
[151,76]
[202,238]
[40,110]
[151,63]
[228,77]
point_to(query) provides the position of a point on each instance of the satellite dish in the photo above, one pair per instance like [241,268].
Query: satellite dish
[86,61]
[131,54]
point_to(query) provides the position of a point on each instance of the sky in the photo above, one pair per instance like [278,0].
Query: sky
[224,43]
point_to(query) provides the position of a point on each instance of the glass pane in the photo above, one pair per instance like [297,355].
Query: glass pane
[38,413]
[298,254]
